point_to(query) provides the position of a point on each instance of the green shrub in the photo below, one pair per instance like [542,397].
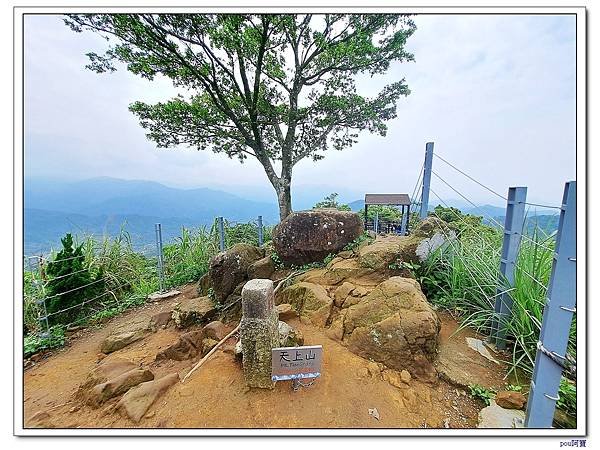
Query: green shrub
[330,201]
[481,393]
[71,282]
[33,342]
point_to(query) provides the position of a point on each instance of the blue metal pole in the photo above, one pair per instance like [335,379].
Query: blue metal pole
[556,320]
[426,179]
[513,226]
[405,214]
[159,254]
[260,231]
[221,234]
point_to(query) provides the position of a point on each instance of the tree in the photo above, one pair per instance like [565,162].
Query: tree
[70,282]
[330,201]
[278,88]
[387,213]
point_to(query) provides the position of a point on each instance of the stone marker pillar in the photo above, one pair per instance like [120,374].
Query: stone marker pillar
[258,332]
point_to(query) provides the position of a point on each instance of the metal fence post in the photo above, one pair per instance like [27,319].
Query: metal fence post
[376,223]
[260,231]
[513,226]
[221,233]
[426,179]
[556,320]
[404,225]
[159,254]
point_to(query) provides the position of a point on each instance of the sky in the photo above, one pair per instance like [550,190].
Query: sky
[496,94]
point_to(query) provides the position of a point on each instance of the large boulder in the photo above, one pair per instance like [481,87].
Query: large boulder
[395,325]
[229,268]
[389,252]
[263,268]
[309,236]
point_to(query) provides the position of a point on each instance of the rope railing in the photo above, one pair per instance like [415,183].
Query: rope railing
[461,218]
[109,291]
[77,288]
[470,177]
[467,200]
[534,242]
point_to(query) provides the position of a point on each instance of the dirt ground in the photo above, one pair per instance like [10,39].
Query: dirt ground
[215,396]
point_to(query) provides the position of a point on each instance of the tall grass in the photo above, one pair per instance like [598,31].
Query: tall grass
[129,275]
[463,277]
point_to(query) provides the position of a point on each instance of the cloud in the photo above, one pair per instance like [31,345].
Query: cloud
[495,93]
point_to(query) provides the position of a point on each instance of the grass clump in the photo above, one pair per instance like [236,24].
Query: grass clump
[463,277]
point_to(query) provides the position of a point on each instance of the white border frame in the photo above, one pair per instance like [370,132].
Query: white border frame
[581,140]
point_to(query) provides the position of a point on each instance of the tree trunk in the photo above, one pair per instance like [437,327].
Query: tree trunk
[284,199]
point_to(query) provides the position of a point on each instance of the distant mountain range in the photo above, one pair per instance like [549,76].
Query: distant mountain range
[102,206]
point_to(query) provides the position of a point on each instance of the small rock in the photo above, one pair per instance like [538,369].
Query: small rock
[342,292]
[157,296]
[160,320]
[494,416]
[100,393]
[237,351]
[288,336]
[286,312]
[263,268]
[363,372]
[510,400]
[394,378]
[405,376]
[374,369]
[191,311]
[100,356]
[118,341]
[188,346]
[215,330]
[374,413]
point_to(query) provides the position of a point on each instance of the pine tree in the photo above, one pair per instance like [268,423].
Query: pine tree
[70,282]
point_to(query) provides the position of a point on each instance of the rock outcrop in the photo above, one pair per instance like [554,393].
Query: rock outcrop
[138,400]
[309,236]
[309,300]
[111,379]
[263,268]
[191,311]
[120,340]
[187,346]
[395,325]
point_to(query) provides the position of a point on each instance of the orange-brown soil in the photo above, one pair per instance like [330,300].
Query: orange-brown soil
[216,396]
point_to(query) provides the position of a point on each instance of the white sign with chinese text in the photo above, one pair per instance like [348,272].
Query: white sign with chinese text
[292,363]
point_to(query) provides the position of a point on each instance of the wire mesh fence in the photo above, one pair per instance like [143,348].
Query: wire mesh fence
[98,277]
